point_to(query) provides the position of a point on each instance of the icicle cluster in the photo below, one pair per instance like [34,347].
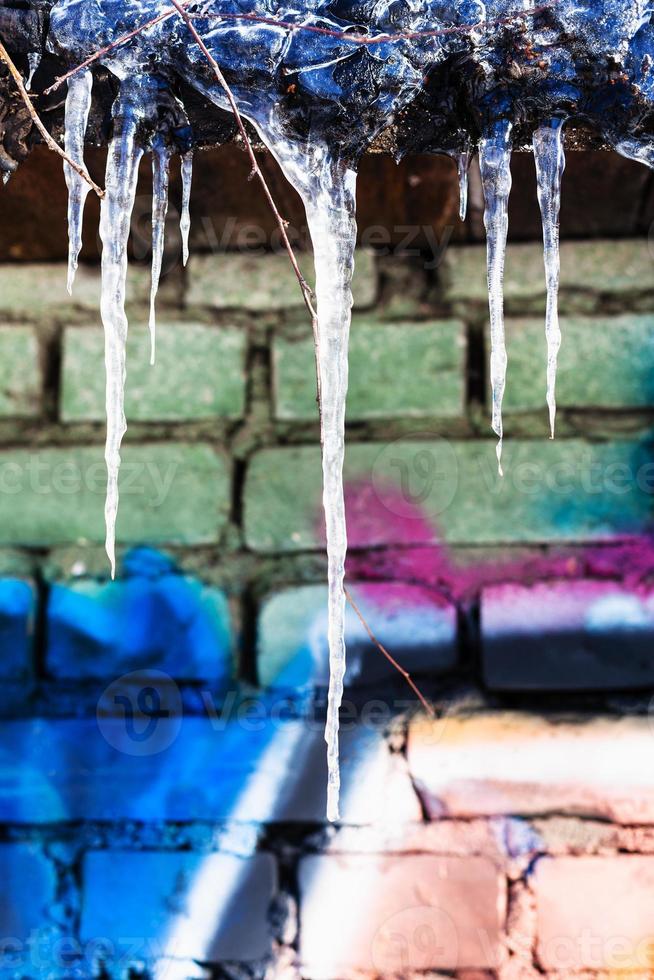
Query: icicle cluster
[452,77]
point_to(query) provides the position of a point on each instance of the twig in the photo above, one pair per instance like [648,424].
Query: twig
[308,299]
[110,47]
[17,77]
[405,674]
[349,36]
[369,40]
[307,292]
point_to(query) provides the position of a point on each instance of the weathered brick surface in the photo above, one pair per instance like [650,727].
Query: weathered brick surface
[151,618]
[17,612]
[29,887]
[393,915]
[169,493]
[407,492]
[206,907]
[20,378]
[36,290]
[266,282]
[602,267]
[595,913]
[604,362]
[510,763]
[418,625]
[241,762]
[567,636]
[199,373]
[408,370]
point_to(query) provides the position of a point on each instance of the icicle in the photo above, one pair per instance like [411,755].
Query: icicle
[495,166]
[33,60]
[160,161]
[328,190]
[78,105]
[185,219]
[115,217]
[549,155]
[333,233]
[463,166]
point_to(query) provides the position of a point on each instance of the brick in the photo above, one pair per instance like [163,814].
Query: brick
[604,362]
[29,889]
[604,267]
[524,764]
[410,370]
[17,611]
[199,373]
[595,913]
[390,915]
[207,907]
[170,492]
[572,636]
[266,282]
[152,617]
[35,290]
[241,761]
[418,625]
[409,492]
[20,379]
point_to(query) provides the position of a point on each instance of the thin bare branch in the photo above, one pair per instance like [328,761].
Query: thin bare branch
[307,292]
[372,39]
[101,52]
[52,143]
[405,674]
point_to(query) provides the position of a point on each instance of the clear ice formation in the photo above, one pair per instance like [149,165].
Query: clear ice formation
[495,166]
[160,179]
[78,107]
[549,156]
[319,81]
[185,217]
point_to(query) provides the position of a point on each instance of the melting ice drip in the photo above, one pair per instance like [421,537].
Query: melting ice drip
[318,98]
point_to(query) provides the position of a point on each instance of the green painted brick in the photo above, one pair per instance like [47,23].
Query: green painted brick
[604,362]
[601,266]
[404,369]
[424,492]
[199,373]
[20,381]
[169,493]
[266,282]
[32,290]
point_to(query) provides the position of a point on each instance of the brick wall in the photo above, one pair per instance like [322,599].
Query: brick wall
[161,750]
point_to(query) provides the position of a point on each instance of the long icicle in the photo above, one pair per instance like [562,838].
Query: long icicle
[78,106]
[549,156]
[185,218]
[115,217]
[160,180]
[332,226]
[495,166]
[328,190]
[463,166]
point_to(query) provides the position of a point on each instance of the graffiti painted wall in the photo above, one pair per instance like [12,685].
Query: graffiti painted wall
[162,763]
